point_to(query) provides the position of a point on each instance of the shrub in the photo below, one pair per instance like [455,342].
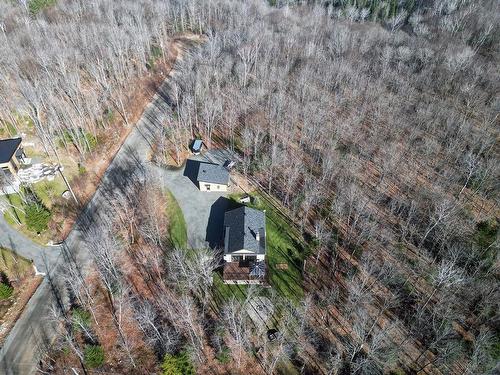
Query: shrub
[156,52]
[82,138]
[224,356]
[37,217]
[91,141]
[108,115]
[494,350]
[81,169]
[5,291]
[80,317]
[486,233]
[93,356]
[179,364]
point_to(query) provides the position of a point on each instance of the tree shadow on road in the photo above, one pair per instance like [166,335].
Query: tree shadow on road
[120,180]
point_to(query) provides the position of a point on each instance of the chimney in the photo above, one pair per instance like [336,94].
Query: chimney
[257,235]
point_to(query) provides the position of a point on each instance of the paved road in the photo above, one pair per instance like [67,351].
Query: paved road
[34,331]
[203,211]
[43,257]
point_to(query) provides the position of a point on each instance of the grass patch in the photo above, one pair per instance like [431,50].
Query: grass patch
[36,6]
[30,218]
[47,191]
[284,246]
[15,213]
[177,224]
[13,270]
[224,292]
[13,265]
[7,129]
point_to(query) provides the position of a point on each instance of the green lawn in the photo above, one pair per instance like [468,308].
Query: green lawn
[284,247]
[177,224]
[16,213]
[47,191]
[224,292]
[15,216]
[13,265]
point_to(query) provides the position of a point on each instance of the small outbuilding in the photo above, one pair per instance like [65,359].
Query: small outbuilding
[196,146]
[212,177]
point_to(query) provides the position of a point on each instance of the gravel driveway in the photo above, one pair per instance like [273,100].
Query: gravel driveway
[203,211]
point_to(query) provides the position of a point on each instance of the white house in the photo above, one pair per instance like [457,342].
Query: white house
[244,245]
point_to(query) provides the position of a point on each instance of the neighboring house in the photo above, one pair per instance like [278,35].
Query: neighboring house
[212,177]
[244,245]
[11,155]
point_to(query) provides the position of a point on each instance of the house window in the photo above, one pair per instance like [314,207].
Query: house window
[207,187]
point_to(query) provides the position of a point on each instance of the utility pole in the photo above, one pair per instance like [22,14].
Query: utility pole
[67,184]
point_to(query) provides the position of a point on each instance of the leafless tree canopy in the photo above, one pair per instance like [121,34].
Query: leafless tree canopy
[373,124]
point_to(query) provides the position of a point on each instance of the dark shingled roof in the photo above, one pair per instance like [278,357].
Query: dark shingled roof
[213,173]
[8,148]
[241,226]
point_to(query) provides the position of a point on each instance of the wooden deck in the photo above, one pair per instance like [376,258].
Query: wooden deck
[239,273]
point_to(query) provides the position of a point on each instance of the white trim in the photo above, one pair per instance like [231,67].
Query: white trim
[243,251]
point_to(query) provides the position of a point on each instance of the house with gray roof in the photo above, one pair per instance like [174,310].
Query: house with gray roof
[11,155]
[244,245]
[212,177]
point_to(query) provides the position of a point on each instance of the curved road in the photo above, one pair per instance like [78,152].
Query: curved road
[41,256]
[34,332]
